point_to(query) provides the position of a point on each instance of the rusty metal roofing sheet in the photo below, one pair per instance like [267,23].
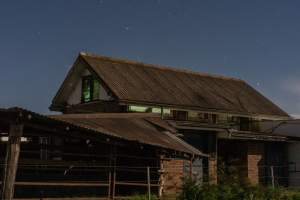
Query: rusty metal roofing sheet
[288,128]
[141,128]
[143,83]
[131,127]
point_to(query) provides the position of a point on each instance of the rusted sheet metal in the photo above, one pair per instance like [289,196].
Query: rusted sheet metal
[137,82]
[289,128]
[133,127]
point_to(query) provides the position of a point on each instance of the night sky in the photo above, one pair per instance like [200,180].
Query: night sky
[258,41]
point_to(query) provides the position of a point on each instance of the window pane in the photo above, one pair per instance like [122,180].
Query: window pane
[96,89]
[180,115]
[86,90]
[138,108]
[156,110]
[167,113]
[193,116]
[223,118]
[198,116]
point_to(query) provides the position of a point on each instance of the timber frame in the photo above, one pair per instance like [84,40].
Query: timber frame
[114,160]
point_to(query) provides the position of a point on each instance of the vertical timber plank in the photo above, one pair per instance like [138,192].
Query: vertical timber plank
[114,185]
[149,183]
[11,161]
[109,184]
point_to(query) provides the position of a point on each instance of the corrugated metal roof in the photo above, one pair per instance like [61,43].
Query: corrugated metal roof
[288,128]
[147,129]
[142,128]
[143,83]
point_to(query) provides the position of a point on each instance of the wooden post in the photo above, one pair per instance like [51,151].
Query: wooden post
[191,168]
[11,161]
[149,183]
[213,159]
[114,185]
[110,170]
[272,176]
[112,164]
[109,184]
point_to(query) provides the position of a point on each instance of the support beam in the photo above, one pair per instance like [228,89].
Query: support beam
[11,161]
[149,183]
[112,164]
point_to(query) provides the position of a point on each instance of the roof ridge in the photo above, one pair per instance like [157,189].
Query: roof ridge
[157,66]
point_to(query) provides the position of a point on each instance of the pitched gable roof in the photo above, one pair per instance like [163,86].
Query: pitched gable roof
[151,84]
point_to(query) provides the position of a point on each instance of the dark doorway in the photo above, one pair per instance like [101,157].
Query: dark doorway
[232,158]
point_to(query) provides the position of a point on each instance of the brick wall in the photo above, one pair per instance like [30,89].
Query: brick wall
[213,170]
[255,158]
[172,178]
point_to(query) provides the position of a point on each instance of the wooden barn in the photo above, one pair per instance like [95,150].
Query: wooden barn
[108,156]
[133,128]
[218,115]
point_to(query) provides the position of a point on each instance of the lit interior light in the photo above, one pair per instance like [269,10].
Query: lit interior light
[5,139]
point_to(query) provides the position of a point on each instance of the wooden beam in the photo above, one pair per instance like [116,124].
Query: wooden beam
[137,184]
[11,161]
[35,128]
[65,198]
[64,184]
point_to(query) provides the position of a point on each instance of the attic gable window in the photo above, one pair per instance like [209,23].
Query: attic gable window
[90,89]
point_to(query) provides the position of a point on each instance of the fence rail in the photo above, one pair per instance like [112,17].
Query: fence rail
[112,178]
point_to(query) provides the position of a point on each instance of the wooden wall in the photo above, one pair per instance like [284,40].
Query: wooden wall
[52,166]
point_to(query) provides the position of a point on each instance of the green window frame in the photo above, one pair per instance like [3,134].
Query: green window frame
[90,89]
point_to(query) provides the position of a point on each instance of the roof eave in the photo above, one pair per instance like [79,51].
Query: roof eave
[56,107]
[211,110]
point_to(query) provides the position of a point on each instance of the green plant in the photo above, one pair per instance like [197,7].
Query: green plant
[190,191]
[232,187]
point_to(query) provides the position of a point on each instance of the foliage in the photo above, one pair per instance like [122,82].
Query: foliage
[232,187]
[236,191]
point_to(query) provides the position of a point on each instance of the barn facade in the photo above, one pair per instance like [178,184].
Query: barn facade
[106,156]
[218,115]
[130,128]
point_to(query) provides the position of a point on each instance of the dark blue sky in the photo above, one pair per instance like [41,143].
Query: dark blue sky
[258,41]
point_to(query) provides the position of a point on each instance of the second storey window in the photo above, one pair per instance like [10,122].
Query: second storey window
[90,89]
[180,115]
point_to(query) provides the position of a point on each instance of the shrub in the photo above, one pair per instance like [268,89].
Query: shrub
[190,190]
[233,186]
[234,191]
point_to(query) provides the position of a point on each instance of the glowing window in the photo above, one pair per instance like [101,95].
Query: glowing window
[138,108]
[90,89]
